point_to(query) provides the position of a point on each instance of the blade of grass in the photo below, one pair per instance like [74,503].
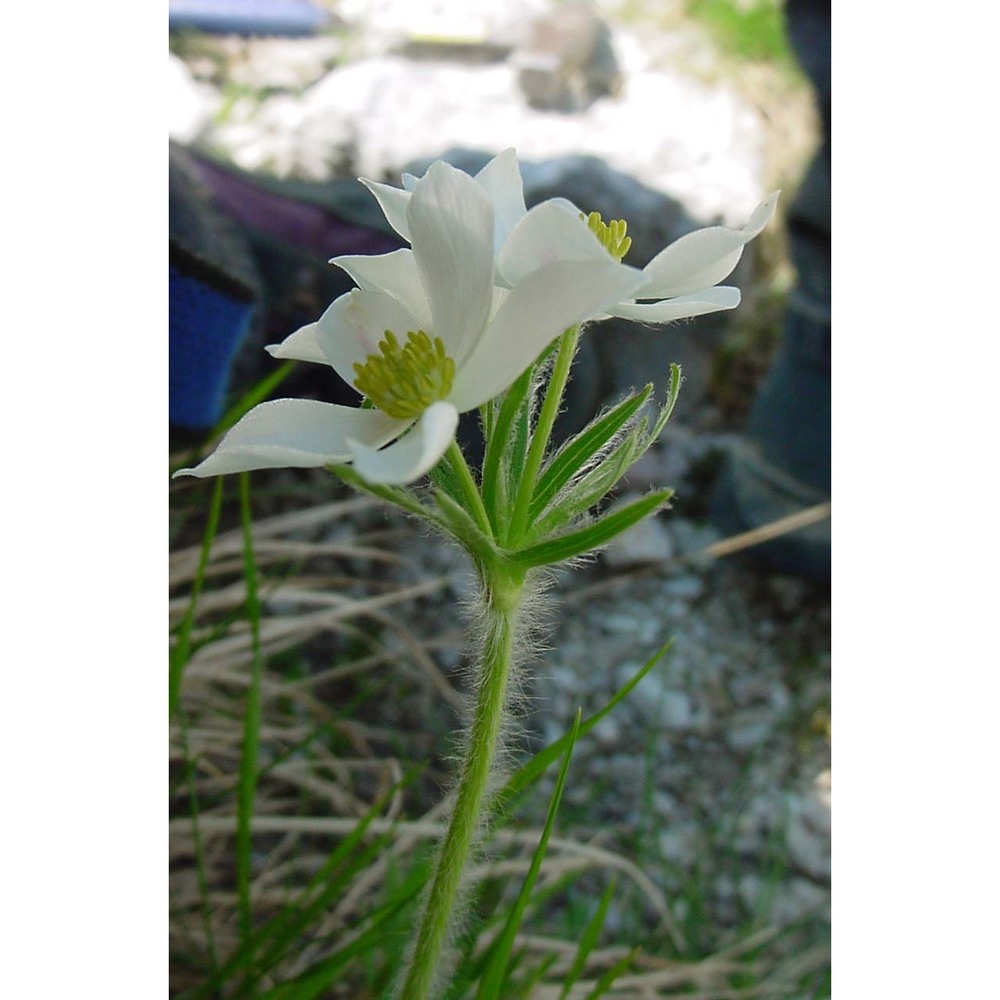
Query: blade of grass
[525,988]
[495,974]
[199,848]
[251,727]
[314,982]
[266,943]
[587,941]
[604,983]
[182,650]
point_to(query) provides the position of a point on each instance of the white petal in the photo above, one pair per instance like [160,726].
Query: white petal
[299,346]
[412,456]
[394,274]
[705,257]
[393,202]
[351,328]
[551,231]
[501,180]
[761,216]
[709,300]
[451,228]
[296,433]
[409,182]
[534,313]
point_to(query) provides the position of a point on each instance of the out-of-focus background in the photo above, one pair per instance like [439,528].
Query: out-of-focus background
[712,780]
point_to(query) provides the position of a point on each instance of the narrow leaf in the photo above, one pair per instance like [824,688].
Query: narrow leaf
[592,537]
[180,653]
[252,719]
[579,450]
[496,436]
[588,941]
[605,982]
[315,982]
[592,488]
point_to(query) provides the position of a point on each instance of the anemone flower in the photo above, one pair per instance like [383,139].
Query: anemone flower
[682,277]
[426,336]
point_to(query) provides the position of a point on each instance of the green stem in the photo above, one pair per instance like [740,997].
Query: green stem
[542,433]
[503,596]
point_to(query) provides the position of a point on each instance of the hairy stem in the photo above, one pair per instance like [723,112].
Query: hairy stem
[503,595]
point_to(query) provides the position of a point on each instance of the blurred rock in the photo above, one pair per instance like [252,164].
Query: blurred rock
[190,105]
[285,64]
[645,542]
[569,60]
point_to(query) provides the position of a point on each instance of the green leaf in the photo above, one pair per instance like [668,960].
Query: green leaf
[604,983]
[443,476]
[525,988]
[181,651]
[315,982]
[496,433]
[574,455]
[271,940]
[592,488]
[587,941]
[592,537]
[252,720]
[493,977]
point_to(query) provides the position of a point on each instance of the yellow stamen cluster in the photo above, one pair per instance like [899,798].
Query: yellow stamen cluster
[611,235]
[404,381]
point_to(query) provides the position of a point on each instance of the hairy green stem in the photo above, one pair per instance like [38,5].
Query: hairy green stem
[503,595]
[543,431]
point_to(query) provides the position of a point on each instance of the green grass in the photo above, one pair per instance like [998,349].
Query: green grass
[753,31]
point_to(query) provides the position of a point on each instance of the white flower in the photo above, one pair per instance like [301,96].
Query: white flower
[681,277]
[426,336]
[500,179]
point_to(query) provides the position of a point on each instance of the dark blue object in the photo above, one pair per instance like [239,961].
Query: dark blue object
[293,18]
[209,319]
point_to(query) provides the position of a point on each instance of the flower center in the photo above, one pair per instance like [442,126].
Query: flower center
[404,380]
[611,235]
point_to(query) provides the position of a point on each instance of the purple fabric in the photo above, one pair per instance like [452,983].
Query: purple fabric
[287,220]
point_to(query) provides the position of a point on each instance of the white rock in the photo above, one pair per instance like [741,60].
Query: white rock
[190,105]
[645,542]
